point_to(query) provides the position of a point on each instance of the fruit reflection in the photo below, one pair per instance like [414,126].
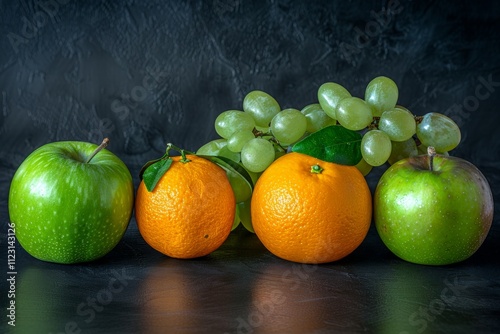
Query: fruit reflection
[178,297]
[292,297]
[409,303]
[40,307]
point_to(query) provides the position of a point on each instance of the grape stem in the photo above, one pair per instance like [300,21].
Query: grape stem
[258,133]
[276,141]
[104,143]
[273,139]
[374,125]
[431,151]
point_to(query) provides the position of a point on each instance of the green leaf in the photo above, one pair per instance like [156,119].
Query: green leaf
[154,171]
[149,163]
[333,144]
[237,175]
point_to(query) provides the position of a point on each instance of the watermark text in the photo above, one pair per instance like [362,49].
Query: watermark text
[11,274]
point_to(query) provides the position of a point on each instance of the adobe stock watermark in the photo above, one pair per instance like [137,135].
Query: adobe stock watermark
[4,104]
[223,7]
[294,278]
[485,87]
[128,102]
[31,26]
[92,305]
[150,83]
[4,112]
[421,318]
[363,38]
[11,274]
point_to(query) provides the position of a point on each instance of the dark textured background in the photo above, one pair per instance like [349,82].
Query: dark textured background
[146,73]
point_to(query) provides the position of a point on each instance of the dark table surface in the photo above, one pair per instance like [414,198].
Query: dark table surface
[242,288]
[78,75]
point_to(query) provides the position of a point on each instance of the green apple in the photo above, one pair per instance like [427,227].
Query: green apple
[433,209]
[71,202]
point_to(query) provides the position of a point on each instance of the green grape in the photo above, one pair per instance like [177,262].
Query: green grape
[242,190]
[375,147]
[329,96]
[399,124]
[288,126]
[226,153]
[364,167]
[244,209]
[439,131]
[316,118]
[231,121]
[238,139]
[218,147]
[278,151]
[212,147]
[402,150]
[422,149]
[403,108]
[254,176]
[381,94]
[262,106]
[354,114]
[257,155]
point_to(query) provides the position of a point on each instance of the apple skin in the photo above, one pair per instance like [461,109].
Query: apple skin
[66,210]
[436,217]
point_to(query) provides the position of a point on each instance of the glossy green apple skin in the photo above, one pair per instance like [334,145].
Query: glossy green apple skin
[434,217]
[66,210]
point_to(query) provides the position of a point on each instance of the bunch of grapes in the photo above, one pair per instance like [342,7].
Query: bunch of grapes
[390,131]
[261,132]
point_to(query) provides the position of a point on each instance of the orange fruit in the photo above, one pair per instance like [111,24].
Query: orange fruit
[310,211]
[191,210]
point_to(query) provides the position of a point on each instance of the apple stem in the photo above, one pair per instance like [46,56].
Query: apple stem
[431,151]
[104,143]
